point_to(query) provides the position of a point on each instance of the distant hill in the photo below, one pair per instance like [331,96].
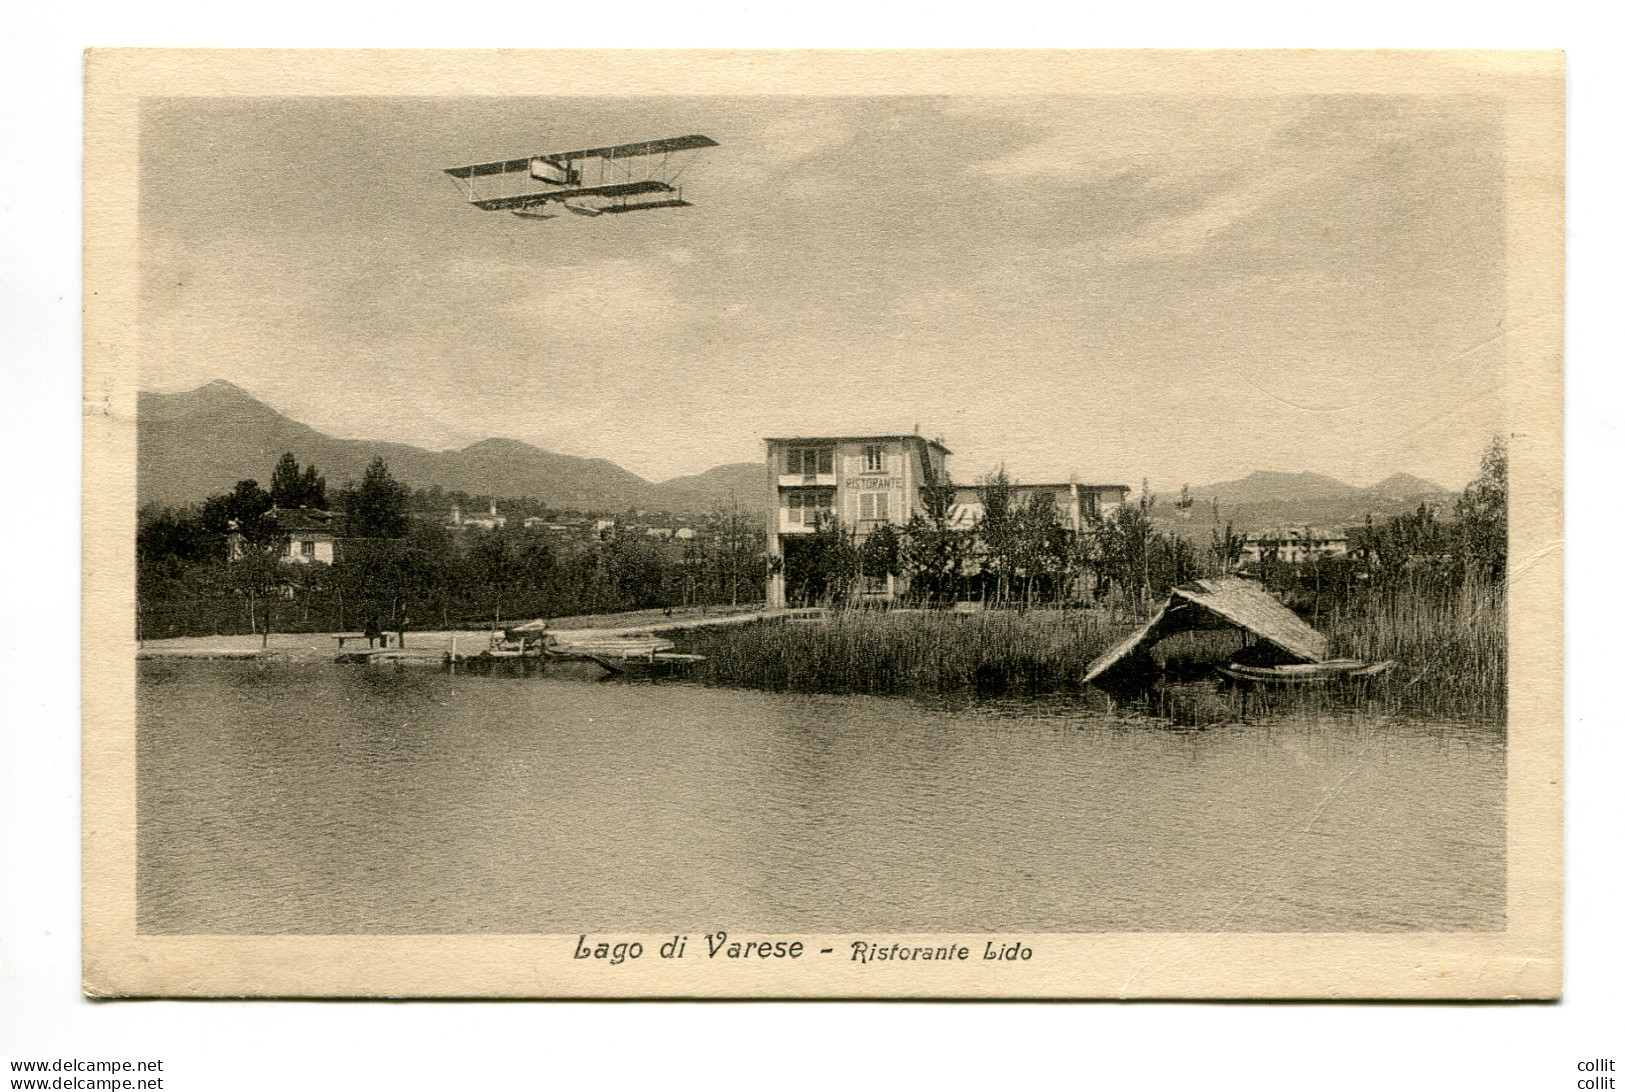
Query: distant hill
[1264,486]
[1268,498]
[204,441]
[1403,487]
[742,484]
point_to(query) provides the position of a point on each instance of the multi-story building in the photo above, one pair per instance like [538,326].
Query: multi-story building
[862,482]
[859,482]
[1075,503]
[1293,545]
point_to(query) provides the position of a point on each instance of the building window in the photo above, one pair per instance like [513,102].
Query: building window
[809,461]
[308,547]
[805,506]
[874,458]
[873,506]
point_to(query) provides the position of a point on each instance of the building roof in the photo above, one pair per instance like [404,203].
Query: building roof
[855,439]
[297,521]
[1299,533]
[1210,604]
[1047,485]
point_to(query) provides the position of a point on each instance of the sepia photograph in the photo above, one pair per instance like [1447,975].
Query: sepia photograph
[1038,524]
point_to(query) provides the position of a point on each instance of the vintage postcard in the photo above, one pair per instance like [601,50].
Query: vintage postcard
[823,524]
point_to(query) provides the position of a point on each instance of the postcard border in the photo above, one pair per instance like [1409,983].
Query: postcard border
[1522,962]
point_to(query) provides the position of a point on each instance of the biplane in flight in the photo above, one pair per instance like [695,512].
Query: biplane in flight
[590,182]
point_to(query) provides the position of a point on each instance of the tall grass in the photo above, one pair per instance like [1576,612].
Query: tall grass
[1448,644]
[908,652]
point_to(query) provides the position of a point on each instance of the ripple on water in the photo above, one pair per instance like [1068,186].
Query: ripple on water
[336,799]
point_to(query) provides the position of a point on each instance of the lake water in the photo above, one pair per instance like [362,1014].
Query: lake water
[285,798]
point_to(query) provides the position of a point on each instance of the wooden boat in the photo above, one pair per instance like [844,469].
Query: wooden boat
[623,654]
[1226,603]
[1302,674]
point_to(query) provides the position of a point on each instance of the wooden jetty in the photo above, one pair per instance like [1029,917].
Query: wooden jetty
[394,656]
[622,650]
[580,636]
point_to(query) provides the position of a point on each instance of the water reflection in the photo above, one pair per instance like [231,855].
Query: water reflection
[314,799]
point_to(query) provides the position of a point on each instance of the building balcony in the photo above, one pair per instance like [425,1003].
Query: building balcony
[787,481]
[800,527]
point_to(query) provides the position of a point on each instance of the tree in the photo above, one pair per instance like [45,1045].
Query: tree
[934,550]
[1481,515]
[255,572]
[1040,549]
[378,507]
[824,566]
[881,553]
[1125,540]
[737,547]
[1227,546]
[997,530]
[242,512]
[389,582]
[492,567]
[171,537]
[292,488]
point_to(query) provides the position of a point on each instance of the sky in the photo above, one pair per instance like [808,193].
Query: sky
[1106,287]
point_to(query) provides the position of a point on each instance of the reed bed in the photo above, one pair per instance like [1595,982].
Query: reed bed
[1448,644]
[909,652]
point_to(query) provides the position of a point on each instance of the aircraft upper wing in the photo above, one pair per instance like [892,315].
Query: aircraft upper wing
[500,167]
[616,189]
[616,151]
[642,147]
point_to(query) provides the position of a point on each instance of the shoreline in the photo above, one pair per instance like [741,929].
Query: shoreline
[323,646]
[1447,666]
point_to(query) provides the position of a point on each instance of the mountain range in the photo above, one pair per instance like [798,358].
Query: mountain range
[203,441]
[195,443]
[1262,486]
[1272,498]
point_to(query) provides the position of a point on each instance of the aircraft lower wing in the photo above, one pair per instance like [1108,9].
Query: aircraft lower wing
[527,200]
[672,203]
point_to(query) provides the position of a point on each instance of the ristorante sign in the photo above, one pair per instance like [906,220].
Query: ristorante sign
[872,483]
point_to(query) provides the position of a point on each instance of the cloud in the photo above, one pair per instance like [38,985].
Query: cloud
[1097,136]
[1188,234]
[597,300]
[786,140]
[797,135]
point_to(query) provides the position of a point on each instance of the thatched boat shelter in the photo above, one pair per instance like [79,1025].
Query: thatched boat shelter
[1227,602]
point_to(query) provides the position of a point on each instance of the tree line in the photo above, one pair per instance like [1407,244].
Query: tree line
[222,566]
[1022,553]
[1016,553]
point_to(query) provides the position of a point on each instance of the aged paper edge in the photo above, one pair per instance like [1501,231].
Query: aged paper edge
[1524,961]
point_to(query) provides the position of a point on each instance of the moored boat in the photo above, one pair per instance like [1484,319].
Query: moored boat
[1303,674]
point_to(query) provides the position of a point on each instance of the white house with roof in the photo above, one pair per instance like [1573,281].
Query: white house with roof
[485,521]
[309,535]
